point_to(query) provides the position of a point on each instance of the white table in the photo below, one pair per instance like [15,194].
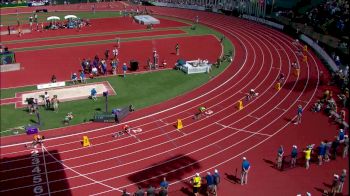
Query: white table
[196,66]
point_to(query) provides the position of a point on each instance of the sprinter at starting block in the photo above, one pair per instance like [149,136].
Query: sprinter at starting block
[37,139]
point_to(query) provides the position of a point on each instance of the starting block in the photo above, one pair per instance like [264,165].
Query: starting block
[278,86]
[179,124]
[296,72]
[86,141]
[305,48]
[304,58]
[240,104]
[138,130]
[208,112]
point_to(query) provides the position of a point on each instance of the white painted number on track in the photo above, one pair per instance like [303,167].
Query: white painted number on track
[38,189]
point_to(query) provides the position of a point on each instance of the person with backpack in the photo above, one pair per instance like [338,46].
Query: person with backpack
[216,178]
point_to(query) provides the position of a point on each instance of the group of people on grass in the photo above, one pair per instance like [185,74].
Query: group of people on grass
[50,103]
[99,66]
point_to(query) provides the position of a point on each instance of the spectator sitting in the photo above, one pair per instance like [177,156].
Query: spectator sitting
[53,79]
[68,118]
[93,94]
[94,71]
[317,106]
[164,63]
[74,78]
[82,77]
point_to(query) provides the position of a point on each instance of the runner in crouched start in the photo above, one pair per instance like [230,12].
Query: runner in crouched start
[202,111]
[37,139]
[126,130]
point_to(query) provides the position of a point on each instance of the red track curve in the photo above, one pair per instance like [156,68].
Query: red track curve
[212,142]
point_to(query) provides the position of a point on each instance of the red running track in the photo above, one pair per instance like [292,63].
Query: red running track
[36,71]
[216,141]
[100,25]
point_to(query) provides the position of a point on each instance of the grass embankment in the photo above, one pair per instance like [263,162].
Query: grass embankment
[142,90]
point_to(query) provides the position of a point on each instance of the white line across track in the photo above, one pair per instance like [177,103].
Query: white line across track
[278,46]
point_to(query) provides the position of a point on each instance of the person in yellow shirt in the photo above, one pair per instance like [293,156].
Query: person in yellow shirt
[308,156]
[196,181]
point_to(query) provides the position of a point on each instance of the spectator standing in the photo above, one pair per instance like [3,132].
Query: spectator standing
[163,192]
[31,22]
[328,148]
[307,152]
[294,155]
[125,68]
[335,145]
[341,181]
[55,103]
[321,152]
[106,54]
[164,184]
[346,146]
[196,182]
[139,192]
[47,101]
[197,19]
[335,185]
[210,183]
[299,114]
[151,191]
[177,49]
[125,193]
[114,65]
[115,52]
[341,135]
[36,18]
[216,177]
[9,30]
[245,170]
[280,153]
[118,43]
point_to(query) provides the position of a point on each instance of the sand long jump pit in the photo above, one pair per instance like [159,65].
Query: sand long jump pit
[66,93]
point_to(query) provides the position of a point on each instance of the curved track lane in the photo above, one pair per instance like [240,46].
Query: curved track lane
[215,141]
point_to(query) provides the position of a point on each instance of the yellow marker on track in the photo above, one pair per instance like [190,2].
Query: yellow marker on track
[86,141]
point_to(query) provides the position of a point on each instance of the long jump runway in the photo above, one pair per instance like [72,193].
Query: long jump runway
[63,167]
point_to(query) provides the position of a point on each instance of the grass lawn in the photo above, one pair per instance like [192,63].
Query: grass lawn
[141,90]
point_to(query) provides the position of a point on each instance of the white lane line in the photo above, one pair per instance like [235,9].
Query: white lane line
[82,175]
[253,116]
[280,109]
[242,130]
[259,71]
[47,177]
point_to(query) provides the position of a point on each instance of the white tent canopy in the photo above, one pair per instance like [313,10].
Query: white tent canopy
[70,16]
[53,18]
